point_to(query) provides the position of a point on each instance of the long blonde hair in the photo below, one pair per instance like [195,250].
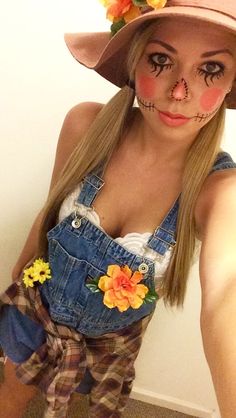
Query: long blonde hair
[99,143]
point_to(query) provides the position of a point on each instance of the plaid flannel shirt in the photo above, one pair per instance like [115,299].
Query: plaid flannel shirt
[58,366]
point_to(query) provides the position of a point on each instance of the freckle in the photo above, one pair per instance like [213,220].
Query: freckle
[146,86]
[211,98]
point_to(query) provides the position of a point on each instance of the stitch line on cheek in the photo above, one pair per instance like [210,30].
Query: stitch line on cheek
[146,105]
[201,117]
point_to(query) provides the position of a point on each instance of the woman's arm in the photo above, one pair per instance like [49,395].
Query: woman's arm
[217,223]
[75,125]
[29,248]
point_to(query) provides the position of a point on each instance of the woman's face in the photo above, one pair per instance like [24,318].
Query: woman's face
[187,69]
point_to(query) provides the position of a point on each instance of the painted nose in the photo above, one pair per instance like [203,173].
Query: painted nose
[180,90]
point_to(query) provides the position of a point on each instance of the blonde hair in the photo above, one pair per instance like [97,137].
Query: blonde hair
[101,140]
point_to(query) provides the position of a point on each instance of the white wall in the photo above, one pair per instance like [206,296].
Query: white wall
[40,82]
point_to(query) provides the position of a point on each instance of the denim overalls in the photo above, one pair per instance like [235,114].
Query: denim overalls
[78,253]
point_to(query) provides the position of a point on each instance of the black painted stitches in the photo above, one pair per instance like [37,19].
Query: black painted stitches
[146,105]
[201,117]
[185,88]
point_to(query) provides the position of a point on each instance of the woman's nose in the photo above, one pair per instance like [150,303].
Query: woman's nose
[180,90]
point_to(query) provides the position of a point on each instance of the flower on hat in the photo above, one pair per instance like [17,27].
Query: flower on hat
[156,4]
[118,8]
[122,288]
[38,272]
[121,12]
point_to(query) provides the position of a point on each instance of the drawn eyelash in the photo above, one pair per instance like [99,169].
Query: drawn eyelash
[155,65]
[207,74]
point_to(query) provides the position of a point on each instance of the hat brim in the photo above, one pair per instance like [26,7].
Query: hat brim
[107,55]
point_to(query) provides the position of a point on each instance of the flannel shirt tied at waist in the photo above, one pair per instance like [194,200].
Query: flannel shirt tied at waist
[59,365]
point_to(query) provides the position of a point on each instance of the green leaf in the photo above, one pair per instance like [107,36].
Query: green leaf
[140,3]
[116,26]
[93,287]
[151,296]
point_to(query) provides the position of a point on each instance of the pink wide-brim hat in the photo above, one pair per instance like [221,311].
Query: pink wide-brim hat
[107,55]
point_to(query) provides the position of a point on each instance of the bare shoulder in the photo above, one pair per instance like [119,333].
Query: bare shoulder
[75,126]
[218,190]
[77,122]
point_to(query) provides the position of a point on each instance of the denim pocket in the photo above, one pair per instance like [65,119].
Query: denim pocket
[67,289]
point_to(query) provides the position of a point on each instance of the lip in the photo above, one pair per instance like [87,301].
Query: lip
[175,115]
[172,119]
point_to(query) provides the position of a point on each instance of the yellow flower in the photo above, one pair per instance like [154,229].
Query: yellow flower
[156,4]
[106,3]
[41,270]
[38,272]
[28,277]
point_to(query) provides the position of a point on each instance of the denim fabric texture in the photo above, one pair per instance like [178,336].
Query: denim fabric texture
[75,256]
[79,254]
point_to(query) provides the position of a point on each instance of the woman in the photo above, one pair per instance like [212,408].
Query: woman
[132,189]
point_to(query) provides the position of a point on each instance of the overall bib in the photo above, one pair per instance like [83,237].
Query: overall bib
[79,252]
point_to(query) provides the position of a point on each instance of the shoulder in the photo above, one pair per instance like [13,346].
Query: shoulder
[76,123]
[80,117]
[216,221]
[217,195]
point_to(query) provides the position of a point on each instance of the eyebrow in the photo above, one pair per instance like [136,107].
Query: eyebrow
[167,46]
[206,54]
[219,51]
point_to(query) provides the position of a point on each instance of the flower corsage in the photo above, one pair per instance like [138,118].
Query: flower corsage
[121,12]
[122,288]
[38,272]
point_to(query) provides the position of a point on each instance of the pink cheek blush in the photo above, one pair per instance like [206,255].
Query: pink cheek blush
[211,98]
[146,86]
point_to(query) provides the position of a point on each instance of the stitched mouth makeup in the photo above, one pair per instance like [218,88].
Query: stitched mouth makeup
[171,119]
[201,117]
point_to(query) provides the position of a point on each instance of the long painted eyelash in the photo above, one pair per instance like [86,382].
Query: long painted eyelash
[155,66]
[206,75]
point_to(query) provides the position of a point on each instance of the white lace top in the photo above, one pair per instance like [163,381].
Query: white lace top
[134,242]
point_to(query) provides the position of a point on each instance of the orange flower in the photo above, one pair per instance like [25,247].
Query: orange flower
[132,13]
[156,4]
[121,288]
[117,8]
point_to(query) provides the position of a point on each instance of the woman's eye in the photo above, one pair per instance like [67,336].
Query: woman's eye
[159,62]
[211,70]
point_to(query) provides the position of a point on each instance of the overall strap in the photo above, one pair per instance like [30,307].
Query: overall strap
[92,184]
[223,161]
[164,236]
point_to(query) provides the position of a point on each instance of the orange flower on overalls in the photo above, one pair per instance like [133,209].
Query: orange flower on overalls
[122,289]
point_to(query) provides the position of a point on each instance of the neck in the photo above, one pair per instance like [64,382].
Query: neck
[158,145]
